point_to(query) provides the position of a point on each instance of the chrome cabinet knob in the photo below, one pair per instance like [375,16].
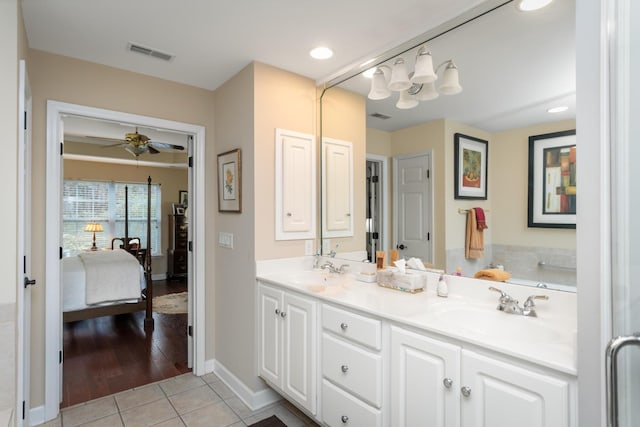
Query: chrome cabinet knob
[344,419]
[343,326]
[289,214]
[283,314]
[448,382]
[466,391]
[277,311]
[344,368]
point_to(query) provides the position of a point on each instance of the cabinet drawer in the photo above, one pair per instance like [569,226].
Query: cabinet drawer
[355,369]
[355,327]
[340,409]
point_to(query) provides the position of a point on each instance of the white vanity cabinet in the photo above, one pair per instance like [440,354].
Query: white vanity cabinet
[352,369]
[438,384]
[337,188]
[288,331]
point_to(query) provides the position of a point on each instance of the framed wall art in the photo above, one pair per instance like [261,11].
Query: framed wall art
[470,168]
[552,180]
[230,181]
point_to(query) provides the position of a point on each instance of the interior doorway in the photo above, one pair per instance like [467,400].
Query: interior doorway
[56,113]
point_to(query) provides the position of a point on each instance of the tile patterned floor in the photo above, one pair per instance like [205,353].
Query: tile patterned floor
[185,400]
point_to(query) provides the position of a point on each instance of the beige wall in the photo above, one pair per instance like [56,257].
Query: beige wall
[508,181]
[344,118]
[59,78]
[171,181]
[9,39]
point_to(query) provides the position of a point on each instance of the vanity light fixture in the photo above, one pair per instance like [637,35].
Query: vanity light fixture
[321,52]
[530,5]
[415,86]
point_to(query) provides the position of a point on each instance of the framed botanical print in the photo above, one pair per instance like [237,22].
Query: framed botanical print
[230,181]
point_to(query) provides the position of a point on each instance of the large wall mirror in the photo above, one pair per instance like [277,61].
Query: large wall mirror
[513,68]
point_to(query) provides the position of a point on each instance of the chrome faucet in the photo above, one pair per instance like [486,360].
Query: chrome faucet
[510,305]
[316,260]
[333,269]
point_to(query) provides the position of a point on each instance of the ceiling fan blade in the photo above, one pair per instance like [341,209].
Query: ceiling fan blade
[152,150]
[165,145]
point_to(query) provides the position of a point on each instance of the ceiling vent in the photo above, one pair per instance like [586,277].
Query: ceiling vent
[133,47]
[380,116]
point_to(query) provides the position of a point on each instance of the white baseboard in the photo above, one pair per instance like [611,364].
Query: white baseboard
[36,415]
[253,399]
[159,276]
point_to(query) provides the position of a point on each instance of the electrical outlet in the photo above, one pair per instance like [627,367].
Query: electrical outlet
[326,246]
[308,247]
[225,240]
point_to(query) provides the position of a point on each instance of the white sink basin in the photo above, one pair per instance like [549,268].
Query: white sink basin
[318,280]
[485,321]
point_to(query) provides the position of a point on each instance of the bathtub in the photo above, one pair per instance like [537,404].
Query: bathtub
[535,283]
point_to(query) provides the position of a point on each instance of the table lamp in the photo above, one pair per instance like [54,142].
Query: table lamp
[93,227]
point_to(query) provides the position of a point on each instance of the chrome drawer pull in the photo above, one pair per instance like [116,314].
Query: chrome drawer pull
[344,368]
[466,391]
[448,382]
[344,419]
[343,326]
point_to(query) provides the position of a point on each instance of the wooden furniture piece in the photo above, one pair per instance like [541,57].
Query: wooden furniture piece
[133,246]
[178,244]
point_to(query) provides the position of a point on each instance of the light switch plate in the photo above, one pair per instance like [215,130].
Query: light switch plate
[225,240]
[308,247]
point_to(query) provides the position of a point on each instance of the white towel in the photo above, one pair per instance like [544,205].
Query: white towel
[111,276]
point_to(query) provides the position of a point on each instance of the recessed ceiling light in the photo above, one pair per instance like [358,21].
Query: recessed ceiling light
[529,5]
[557,109]
[321,52]
[369,73]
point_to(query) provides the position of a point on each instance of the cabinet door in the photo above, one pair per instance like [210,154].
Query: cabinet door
[299,362]
[295,185]
[425,381]
[504,395]
[337,187]
[270,301]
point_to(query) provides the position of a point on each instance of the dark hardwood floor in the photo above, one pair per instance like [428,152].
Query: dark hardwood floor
[111,354]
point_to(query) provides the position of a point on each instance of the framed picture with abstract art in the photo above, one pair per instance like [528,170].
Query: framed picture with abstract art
[470,167]
[230,181]
[552,180]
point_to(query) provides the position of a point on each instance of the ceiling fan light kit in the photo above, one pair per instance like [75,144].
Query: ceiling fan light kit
[418,85]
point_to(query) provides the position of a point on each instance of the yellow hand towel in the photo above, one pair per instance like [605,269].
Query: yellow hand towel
[493,274]
[474,241]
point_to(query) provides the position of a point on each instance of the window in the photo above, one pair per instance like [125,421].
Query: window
[104,203]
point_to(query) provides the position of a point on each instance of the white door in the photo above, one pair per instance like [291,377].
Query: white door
[413,206]
[623,353]
[498,394]
[425,381]
[25,280]
[299,350]
[190,237]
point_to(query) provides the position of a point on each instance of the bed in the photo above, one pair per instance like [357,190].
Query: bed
[110,282]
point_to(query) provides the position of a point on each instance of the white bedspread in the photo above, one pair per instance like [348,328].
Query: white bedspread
[110,276]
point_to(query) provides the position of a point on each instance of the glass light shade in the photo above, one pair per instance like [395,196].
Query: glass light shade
[399,76]
[529,5]
[423,72]
[427,93]
[450,81]
[406,101]
[378,86]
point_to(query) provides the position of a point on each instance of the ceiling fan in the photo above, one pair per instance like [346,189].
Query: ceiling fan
[137,144]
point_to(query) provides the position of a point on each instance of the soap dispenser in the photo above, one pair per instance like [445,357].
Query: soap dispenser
[442,289]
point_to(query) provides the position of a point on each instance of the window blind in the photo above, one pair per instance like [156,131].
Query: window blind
[104,203]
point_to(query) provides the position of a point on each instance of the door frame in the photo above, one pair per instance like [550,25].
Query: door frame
[53,310]
[384,198]
[396,231]
[23,249]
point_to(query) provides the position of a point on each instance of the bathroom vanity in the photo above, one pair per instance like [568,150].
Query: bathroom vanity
[350,353]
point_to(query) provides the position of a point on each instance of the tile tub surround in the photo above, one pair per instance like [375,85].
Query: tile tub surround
[7,358]
[554,345]
[185,400]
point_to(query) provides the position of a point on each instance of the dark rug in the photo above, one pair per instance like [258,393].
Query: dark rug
[272,421]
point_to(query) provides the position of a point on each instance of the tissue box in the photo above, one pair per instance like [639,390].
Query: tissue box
[368,277]
[409,281]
